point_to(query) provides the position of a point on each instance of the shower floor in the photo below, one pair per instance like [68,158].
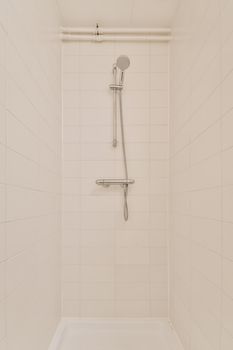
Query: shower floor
[116,335]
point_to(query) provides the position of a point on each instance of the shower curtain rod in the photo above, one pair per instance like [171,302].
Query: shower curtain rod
[117,30]
[102,38]
[115,34]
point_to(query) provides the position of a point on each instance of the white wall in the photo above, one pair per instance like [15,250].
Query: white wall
[29,173]
[113,268]
[202,174]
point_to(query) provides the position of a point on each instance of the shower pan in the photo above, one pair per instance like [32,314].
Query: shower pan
[122,63]
[110,334]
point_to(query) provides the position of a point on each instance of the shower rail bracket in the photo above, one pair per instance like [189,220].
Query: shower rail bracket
[116,86]
[110,182]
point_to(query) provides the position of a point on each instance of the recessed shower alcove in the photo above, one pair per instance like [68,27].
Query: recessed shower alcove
[116,176]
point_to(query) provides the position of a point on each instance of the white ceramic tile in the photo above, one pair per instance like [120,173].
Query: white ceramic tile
[207,233]
[227,53]
[95,273]
[71,307]
[227,195]
[94,238]
[227,237]
[103,49]
[159,133]
[226,341]
[97,256]
[133,49]
[207,114]
[130,291]
[201,187]
[21,139]
[68,63]
[227,306]
[136,116]
[159,116]
[95,64]
[132,238]
[71,236]
[3,203]
[137,99]
[159,63]
[206,173]
[132,273]
[159,99]
[208,295]
[207,144]
[97,308]
[226,22]
[226,100]
[132,308]
[159,81]
[71,116]
[70,257]
[30,126]
[107,242]
[227,284]
[136,81]
[92,81]
[134,256]
[227,123]
[70,48]
[2,320]
[71,273]
[97,291]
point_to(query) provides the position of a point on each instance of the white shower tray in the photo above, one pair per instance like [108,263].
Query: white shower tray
[120,334]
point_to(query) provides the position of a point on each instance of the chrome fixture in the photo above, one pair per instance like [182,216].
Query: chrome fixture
[109,182]
[119,67]
[122,63]
[114,88]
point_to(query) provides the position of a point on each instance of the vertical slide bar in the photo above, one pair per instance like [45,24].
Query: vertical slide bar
[114,142]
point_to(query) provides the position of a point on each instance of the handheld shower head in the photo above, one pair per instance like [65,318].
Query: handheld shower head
[123,62]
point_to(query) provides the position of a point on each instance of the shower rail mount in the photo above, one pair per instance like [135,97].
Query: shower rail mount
[109,182]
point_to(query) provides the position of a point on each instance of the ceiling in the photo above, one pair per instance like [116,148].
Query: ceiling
[117,13]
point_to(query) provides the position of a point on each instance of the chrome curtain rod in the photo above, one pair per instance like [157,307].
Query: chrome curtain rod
[115,34]
[93,30]
[102,38]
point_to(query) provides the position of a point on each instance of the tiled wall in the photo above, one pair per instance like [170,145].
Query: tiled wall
[202,174]
[110,267]
[29,173]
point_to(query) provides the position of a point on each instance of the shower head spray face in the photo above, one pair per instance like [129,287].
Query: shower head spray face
[123,62]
